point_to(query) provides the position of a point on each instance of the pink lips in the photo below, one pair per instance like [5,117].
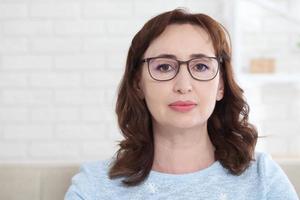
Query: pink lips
[182,106]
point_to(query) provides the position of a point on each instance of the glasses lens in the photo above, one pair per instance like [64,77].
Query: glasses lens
[204,68]
[163,68]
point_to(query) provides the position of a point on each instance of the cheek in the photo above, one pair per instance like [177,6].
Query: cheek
[207,97]
[207,90]
[156,99]
[155,108]
[153,94]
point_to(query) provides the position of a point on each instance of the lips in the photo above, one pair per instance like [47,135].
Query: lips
[182,103]
[182,106]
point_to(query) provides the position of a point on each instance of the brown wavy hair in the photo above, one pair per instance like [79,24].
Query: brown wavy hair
[233,137]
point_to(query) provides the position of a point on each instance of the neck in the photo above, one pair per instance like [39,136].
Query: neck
[182,150]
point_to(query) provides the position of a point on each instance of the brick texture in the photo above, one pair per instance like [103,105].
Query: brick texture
[61,63]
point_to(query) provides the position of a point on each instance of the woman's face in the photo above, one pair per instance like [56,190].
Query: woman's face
[182,41]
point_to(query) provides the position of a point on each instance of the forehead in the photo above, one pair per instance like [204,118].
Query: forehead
[181,40]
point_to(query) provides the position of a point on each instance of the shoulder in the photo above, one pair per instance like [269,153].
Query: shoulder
[264,161]
[95,169]
[274,179]
[85,183]
[265,166]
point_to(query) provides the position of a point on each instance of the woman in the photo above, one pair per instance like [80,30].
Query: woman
[184,121]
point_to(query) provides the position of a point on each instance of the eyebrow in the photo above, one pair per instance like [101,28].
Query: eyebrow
[197,55]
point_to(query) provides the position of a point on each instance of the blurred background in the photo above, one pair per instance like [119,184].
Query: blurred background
[61,62]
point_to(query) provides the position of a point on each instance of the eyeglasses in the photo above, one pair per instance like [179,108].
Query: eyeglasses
[202,68]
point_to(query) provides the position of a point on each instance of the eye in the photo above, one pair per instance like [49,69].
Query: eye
[164,68]
[200,67]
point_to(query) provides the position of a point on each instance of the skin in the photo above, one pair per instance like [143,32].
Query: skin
[181,141]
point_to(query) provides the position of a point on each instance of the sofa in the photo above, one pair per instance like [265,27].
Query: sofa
[51,181]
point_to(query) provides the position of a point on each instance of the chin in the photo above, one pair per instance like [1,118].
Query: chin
[186,124]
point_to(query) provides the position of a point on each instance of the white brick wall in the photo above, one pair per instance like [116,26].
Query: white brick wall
[55,10]
[266,33]
[14,10]
[61,62]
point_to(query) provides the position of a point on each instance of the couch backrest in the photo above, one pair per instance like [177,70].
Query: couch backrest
[50,182]
[38,182]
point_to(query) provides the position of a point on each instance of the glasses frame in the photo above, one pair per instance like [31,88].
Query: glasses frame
[147,60]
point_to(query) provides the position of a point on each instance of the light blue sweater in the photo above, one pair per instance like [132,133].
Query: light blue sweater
[264,179]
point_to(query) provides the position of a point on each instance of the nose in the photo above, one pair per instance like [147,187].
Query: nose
[183,80]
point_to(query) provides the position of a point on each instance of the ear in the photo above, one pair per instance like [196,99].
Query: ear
[220,92]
